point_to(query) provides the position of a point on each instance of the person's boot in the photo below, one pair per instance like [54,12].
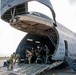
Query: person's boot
[11,67]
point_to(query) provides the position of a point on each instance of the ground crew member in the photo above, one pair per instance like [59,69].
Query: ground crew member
[47,50]
[47,54]
[10,62]
[29,55]
[17,59]
[37,53]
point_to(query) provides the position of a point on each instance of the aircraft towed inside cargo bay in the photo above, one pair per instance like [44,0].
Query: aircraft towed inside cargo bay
[42,32]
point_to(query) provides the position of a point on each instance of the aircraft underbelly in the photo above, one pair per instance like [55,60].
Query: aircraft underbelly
[32,24]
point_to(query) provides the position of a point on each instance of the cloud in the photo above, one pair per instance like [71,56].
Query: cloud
[73,7]
[72,2]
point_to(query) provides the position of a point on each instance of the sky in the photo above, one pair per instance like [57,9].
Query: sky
[65,14]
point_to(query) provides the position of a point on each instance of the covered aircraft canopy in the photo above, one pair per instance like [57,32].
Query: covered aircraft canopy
[8,4]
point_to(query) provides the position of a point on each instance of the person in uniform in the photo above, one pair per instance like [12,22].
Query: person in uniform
[29,55]
[37,53]
[47,50]
[10,62]
[47,54]
[38,56]
[17,59]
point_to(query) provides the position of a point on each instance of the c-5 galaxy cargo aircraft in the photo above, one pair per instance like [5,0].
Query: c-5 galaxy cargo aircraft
[42,31]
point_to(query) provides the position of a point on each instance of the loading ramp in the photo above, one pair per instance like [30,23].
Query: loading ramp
[34,69]
[29,69]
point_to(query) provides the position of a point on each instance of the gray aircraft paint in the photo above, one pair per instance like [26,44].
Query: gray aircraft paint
[64,33]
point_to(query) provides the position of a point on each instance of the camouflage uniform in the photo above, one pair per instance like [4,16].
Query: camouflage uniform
[10,62]
[29,55]
[17,58]
[47,54]
[37,53]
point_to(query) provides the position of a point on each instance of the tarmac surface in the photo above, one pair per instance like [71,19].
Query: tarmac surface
[1,62]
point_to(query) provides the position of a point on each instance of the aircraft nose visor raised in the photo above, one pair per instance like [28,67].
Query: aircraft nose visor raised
[11,3]
[6,5]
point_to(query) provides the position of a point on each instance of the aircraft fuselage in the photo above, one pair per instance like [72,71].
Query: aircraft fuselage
[41,30]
